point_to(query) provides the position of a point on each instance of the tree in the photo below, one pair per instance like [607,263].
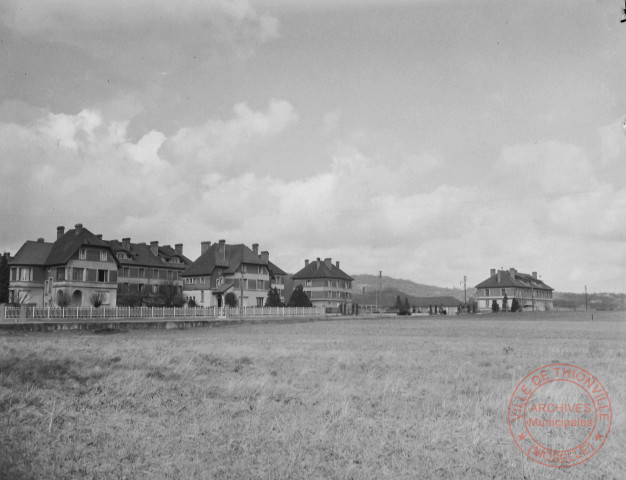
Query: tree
[407,307]
[298,298]
[230,300]
[5,276]
[63,298]
[399,307]
[505,303]
[273,298]
[495,307]
[96,299]
[170,295]
[515,305]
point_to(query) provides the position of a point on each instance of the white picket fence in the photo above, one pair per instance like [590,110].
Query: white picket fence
[155,313]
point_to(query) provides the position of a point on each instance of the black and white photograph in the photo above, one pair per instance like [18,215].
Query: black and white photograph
[312,239]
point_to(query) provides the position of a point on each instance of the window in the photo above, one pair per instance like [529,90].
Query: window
[121,256]
[155,288]
[140,287]
[170,275]
[259,301]
[77,274]
[26,274]
[60,274]
[503,292]
[486,292]
[103,276]
[103,256]
[155,274]
[142,273]
[104,296]
[82,254]
[126,272]
[202,280]
[308,283]
[202,296]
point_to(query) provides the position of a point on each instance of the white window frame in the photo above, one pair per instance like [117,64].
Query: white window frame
[82,254]
[104,257]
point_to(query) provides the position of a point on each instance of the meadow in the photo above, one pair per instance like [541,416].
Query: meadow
[399,398]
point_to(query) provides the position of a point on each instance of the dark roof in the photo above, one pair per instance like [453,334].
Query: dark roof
[435,301]
[321,269]
[63,249]
[230,259]
[508,278]
[275,270]
[32,253]
[223,287]
[141,255]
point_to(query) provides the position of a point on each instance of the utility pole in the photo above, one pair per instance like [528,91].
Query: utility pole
[243,269]
[465,289]
[380,276]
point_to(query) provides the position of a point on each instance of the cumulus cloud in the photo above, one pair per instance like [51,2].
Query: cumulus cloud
[370,215]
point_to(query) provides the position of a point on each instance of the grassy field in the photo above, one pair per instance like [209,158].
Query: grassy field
[369,399]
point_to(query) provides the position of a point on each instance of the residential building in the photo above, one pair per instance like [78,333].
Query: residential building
[145,271]
[529,290]
[325,284]
[222,268]
[77,264]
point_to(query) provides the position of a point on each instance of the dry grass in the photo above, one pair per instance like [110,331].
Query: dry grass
[406,398]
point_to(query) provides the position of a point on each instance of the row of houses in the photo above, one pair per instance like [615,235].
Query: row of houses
[82,266]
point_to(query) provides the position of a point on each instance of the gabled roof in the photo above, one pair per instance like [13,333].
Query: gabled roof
[141,255]
[32,253]
[321,269]
[229,257]
[63,249]
[513,278]
[274,269]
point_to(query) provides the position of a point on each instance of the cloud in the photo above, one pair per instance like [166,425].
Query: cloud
[613,141]
[545,208]
[114,22]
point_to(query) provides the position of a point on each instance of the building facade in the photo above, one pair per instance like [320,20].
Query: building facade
[78,265]
[223,268]
[529,290]
[325,284]
[148,274]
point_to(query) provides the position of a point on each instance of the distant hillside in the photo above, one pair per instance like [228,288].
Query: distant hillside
[365,288]
[595,301]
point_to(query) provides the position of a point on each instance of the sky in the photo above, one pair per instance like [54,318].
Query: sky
[427,139]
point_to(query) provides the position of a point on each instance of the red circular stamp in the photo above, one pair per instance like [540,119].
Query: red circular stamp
[560,415]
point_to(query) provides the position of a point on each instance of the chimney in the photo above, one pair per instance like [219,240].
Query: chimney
[204,246]
[512,273]
[126,243]
[318,262]
[337,263]
[178,248]
[499,275]
[306,262]
[493,272]
[222,249]
[534,274]
[40,240]
[329,263]
[78,228]
[99,236]
[60,232]
[255,248]
[154,247]
[265,256]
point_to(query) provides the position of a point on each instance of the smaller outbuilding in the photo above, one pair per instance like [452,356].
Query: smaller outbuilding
[445,305]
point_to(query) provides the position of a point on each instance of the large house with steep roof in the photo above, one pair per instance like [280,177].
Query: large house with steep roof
[146,270]
[325,284]
[223,268]
[529,290]
[78,264]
